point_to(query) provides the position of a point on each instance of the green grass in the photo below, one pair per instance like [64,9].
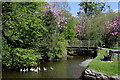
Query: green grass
[110,68]
[113,48]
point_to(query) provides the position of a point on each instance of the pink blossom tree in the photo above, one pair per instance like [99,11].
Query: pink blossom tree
[60,18]
[114,26]
[77,28]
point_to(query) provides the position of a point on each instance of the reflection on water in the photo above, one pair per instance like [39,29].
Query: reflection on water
[62,69]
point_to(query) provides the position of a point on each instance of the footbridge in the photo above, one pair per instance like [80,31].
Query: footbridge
[82,44]
[85,47]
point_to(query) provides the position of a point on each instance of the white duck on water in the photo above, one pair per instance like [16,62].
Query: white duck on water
[44,68]
[32,69]
[24,70]
[21,70]
[36,70]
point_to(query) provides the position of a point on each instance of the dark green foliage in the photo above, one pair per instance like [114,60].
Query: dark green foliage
[25,57]
[69,31]
[54,41]
[22,28]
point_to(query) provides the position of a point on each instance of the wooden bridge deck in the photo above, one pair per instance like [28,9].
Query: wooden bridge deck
[82,44]
[85,48]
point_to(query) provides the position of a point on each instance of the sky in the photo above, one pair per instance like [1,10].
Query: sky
[75,7]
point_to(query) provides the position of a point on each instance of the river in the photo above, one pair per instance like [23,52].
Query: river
[70,68]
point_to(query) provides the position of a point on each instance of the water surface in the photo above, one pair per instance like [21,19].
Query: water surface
[70,68]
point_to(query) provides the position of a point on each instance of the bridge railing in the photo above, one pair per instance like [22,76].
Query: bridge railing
[82,43]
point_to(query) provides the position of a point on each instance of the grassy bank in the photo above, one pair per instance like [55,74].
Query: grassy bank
[113,48]
[110,68]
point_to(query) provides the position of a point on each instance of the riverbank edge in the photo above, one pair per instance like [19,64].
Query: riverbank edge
[90,74]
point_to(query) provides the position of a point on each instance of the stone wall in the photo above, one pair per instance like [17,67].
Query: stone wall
[89,74]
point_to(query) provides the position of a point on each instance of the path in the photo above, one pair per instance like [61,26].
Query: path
[115,51]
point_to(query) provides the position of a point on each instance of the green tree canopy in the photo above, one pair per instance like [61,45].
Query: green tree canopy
[92,8]
[22,28]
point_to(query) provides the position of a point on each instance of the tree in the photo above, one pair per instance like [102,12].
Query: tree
[92,8]
[93,28]
[54,39]
[65,19]
[22,28]
[61,6]
[81,26]
[69,31]
[113,35]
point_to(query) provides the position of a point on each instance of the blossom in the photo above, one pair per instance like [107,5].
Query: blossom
[114,26]
[60,13]
[56,13]
[78,30]
[115,33]
[65,22]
